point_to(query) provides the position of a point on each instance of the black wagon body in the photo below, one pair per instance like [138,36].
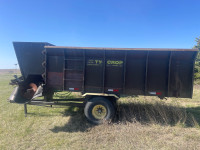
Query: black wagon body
[163,72]
[108,71]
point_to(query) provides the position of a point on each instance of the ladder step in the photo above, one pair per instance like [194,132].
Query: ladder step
[73,80]
[74,70]
[75,59]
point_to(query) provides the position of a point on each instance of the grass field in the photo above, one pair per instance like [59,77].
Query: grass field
[140,123]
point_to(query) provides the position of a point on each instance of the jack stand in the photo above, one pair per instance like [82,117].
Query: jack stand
[25,110]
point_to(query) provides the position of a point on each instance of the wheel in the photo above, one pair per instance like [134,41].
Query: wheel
[99,109]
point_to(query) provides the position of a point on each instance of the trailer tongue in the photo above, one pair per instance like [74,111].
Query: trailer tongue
[100,74]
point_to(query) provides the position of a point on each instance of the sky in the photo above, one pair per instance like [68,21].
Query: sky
[98,23]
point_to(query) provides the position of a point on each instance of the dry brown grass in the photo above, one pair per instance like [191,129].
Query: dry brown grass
[138,136]
[151,110]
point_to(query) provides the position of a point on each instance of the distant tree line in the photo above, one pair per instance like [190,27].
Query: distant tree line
[197,63]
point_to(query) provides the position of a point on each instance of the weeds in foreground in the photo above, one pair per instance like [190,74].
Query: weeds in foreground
[154,112]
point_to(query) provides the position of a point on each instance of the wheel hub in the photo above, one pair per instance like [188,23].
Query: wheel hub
[99,112]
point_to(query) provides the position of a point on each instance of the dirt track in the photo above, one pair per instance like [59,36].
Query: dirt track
[10,71]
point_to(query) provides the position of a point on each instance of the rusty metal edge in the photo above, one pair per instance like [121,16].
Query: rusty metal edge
[135,49]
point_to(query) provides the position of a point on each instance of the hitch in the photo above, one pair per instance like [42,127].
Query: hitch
[16,81]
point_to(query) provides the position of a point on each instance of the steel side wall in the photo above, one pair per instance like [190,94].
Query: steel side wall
[165,73]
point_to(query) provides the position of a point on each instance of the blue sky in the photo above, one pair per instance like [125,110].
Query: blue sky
[98,23]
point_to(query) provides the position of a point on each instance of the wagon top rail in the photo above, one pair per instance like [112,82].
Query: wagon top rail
[134,49]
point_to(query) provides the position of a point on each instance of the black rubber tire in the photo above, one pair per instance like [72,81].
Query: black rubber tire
[96,101]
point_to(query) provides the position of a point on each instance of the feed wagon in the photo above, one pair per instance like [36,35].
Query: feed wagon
[101,75]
